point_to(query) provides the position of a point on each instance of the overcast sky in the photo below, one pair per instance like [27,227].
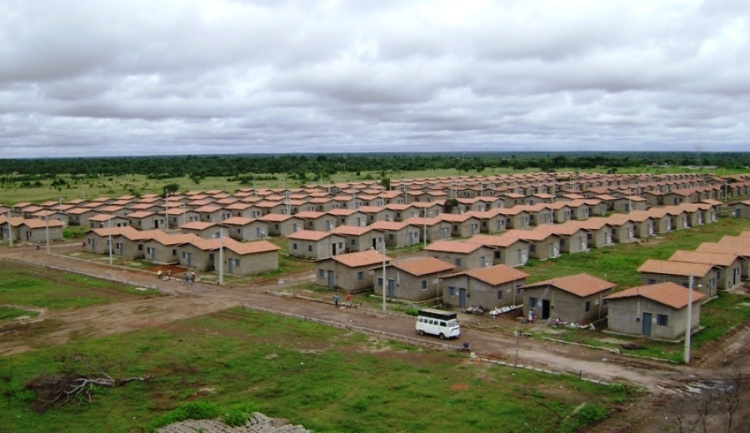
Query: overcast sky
[101,78]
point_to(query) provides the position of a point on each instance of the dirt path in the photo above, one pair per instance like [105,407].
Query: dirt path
[185,301]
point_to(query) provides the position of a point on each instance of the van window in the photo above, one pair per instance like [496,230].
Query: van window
[443,324]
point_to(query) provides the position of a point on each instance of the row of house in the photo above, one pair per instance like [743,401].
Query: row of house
[363,203]
[188,250]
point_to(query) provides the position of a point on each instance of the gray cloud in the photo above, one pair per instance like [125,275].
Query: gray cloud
[85,78]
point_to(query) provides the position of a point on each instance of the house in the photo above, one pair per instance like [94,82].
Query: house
[202,229]
[463,225]
[361,238]
[164,248]
[705,276]
[462,254]
[10,230]
[79,216]
[415,279]
[350,272]
[598,231]
[728,264]
[492,287]
[316,245]
[543,245]
[575,298]
[143,220]
[572,239]
[106,220]
[282,225]
[741,250]
[656,311]
[318,221]
[398,234]
[506,250]
[433,229]
[238,258]
[246,229]
[490,221]
[739,209]
[349,217]
[38,230]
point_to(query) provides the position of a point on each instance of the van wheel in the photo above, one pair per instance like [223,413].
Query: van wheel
[421,332]
[442,336]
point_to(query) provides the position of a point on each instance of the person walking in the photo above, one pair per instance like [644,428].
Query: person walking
[336,300]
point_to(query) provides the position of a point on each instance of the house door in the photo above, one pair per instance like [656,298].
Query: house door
[153,254]
[334,249]
[258,233]
[391,288]
[190,260]
[230,266]
[375,244]
[545,308]
[646,324]
[330,279]
[462,297]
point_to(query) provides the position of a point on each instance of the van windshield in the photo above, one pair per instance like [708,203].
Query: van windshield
[453,323]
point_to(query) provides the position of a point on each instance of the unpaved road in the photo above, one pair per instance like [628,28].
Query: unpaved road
[185,301]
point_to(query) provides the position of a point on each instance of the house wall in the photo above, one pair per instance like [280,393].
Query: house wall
[480,258]
[626,316]
[565,305]
[250,264]
[408,286]
[516,254]
[481,293]
[548,248]
[344,278]
[161,253]
[708,285]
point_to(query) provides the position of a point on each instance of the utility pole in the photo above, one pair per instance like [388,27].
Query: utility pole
[221,257]
[10,229]
[166,209]
[688,330]
[384,280]
[46,229]
[109,240]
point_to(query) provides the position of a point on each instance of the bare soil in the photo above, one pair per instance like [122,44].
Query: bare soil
[661,381]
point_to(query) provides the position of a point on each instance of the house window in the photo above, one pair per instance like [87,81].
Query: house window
[424,284]
[360,276]
[236,262]
[651,281]
[497,255]
[588,306]
[380,281]
[532,248]
[458,262]
[309,248]
[451,291]
[354,242]
[532,302]
[499,295]
[140,247]
[321,273]
[662,319]
[390,236]
[294,245]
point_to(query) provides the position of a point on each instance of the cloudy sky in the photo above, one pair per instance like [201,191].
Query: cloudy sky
[101,78]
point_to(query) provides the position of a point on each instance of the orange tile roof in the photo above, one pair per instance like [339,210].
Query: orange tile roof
[362,258]
[668,293]
[494,275]
[424,266]
[309,235]
[581,285]
[499,241]
[665,267]
[707,258]
[460,247]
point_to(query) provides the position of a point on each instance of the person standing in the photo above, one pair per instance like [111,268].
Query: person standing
[336,300]
[348,302]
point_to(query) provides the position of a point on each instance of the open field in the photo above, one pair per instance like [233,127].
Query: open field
[324,378]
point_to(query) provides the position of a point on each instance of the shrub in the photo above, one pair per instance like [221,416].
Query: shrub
[192,410]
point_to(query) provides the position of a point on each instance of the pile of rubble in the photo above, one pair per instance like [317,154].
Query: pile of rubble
[258,423]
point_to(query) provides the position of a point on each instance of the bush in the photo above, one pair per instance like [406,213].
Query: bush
[192,410]
[587,415]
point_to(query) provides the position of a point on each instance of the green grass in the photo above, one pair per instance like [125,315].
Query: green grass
[8,313]
[22,284]
[323,378]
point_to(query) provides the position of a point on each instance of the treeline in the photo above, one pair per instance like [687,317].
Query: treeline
[299,166]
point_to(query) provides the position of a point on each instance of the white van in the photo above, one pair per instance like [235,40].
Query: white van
[437,322]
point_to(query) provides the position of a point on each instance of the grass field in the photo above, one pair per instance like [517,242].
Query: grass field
[323,378]
[45,288]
